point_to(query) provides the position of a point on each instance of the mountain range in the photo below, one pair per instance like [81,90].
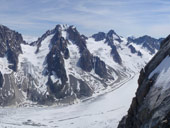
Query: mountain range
[63,66]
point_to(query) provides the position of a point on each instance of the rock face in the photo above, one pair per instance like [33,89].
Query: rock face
[150,108]
[133,50]
[100,67]
[1,80]
[110,38]
[55,59]
[99,36]
[58,63]
[10,45]
[86,61]
[151,44]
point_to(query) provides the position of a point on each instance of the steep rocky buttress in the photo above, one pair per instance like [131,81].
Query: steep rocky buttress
[110,38]
[151,106]
[10,46]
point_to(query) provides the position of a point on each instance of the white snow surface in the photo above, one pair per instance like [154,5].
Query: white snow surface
[36,63]
[29,39]
[164,72]
[102,50]
[4,66]
[133,61]
[115,36]
[130,61]
[71,63]
[101,112]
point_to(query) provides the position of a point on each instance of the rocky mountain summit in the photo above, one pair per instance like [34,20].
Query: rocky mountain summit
[109,38]
[150,43]
[63,66]
[150,108]
[64,37]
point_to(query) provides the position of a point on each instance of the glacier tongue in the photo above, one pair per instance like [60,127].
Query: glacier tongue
[101,111]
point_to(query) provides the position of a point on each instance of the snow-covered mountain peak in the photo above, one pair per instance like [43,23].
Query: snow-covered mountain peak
[110,36]
[111,33]
[64,26]
[63,64]
[149,43]
[131,38]
[99,36]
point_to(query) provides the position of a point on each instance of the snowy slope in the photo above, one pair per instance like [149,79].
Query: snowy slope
[35,63]
[4,66]
[101,49]
[131,61]
[29,39]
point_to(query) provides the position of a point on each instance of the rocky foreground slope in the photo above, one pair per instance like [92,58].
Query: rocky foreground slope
[151,106]
[63,65]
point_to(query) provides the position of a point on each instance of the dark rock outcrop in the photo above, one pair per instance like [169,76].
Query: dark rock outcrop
[99,36]
[60,90]
[113,35]
[110,41]
[80,87]
[139,53]
[12,59]
[164,41]
[151,44]
[1,80]
[150,108]
[10,45]
[132,49]
[60,43]
[78,39]
[55,64]
[100,67]
[86,61]
[115,54]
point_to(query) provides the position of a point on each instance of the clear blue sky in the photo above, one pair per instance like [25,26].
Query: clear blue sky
[126,17]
